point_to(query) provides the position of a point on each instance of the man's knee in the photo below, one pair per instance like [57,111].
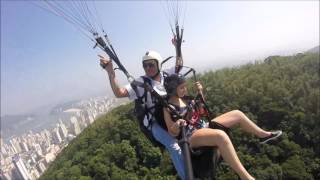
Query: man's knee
[175,147]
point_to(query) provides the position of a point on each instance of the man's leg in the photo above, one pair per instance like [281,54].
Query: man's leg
[172,146]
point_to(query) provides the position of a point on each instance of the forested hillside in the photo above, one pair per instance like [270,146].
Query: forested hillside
[277,93]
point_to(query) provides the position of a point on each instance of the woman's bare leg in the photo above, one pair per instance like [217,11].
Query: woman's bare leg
[215,137]
[237,117]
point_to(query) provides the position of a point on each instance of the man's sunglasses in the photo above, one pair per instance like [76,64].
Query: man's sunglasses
[150,65]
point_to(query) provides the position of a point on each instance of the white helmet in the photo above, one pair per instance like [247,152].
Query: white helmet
[152,55]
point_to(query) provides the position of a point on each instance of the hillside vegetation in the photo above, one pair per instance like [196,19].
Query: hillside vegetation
[277,93]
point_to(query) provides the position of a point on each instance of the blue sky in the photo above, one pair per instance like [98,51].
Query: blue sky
[45,60]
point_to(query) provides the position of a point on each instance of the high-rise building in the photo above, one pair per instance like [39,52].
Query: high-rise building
[75,125]
[22,171]
[38,149]
[5,175]
[3,151]
[63,130]
[24,146]
[40,166]
[46,139]
[15,145]
[56,136]
[34,173]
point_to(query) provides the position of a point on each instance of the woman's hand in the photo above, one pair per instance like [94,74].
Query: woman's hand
[175,128]
[181,122]
[199,86]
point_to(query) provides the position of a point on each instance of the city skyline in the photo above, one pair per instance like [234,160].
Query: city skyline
[28,155]
[12,126]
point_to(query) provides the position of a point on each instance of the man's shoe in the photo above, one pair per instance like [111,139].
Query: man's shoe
[274,135]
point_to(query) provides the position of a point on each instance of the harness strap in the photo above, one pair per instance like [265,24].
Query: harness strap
[184,115]
[145,97]
[142,102]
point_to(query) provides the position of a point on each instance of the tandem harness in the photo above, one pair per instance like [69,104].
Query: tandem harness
[147,115]
[203,161]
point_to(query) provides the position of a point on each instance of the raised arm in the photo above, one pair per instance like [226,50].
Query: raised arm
[199,88]
[118,91]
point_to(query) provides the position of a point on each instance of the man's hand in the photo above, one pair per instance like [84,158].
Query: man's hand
[106,63]
[174,41]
